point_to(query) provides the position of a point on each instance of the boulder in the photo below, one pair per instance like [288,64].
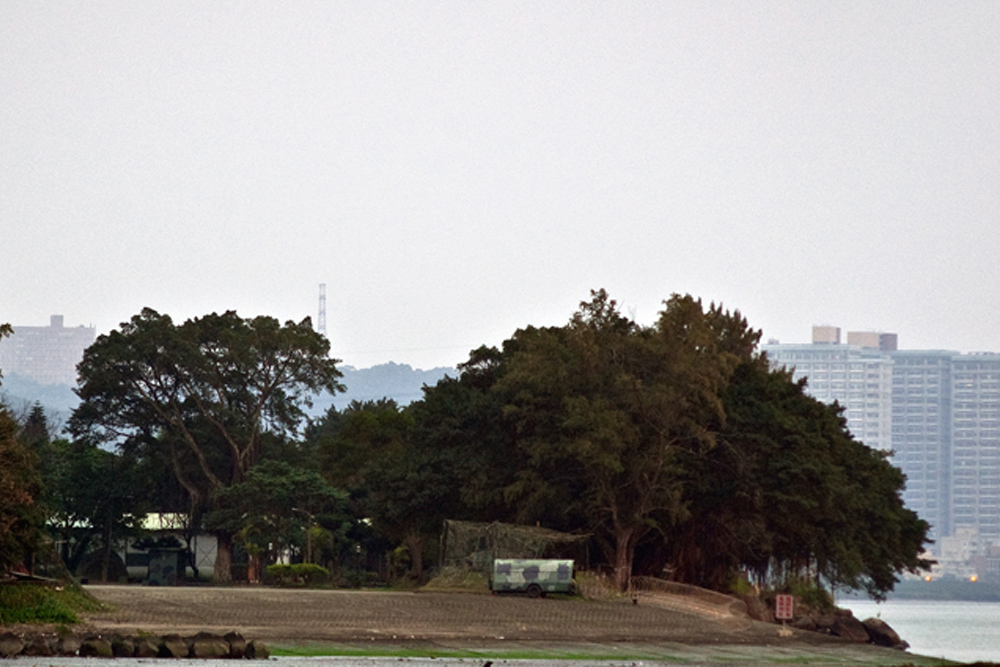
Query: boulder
[10,645]
[257,651]
[849,628]
[237,644]
[39,646]
[68,645]
[757,609]
[881,634]
[122,647]
[824,622]
[173,646]
[95,647]
[147,647]
[208,646]
[805,623]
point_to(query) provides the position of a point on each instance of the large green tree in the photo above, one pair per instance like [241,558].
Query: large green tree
[788,493]
[203,393]
[91,497]
[20,514]
[21,517]
[374,456]
[603,407]
[676,447]
[277,507]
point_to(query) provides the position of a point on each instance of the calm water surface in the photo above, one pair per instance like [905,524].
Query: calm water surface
[962,631]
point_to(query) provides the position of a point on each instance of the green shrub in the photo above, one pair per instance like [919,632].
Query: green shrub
[812,595]
[740,586]
[298,574]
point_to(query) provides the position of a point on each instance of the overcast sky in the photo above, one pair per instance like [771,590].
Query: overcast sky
[453,171]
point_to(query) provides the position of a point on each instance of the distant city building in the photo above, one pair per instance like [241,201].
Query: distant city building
[937,410]
[921,432]
[46,355]
[975,444]
[858,378]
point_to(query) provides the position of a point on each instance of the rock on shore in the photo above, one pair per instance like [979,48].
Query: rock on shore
[838,622]
[203,645]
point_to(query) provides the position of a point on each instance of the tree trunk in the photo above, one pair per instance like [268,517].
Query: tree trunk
[415,544]
[106,556]
[223,573]
[624,555]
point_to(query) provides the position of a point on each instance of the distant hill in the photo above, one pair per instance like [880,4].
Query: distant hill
[400,382]
[19,393]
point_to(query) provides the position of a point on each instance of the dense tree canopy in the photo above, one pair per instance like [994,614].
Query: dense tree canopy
[677,448]
[404,487]
[90,497]
[788,492]
[20,513]
[275,506]
[603,407]
[20,516]
[673,445]
[205,393]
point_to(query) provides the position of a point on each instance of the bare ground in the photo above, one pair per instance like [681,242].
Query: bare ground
[666,627]
[285,615]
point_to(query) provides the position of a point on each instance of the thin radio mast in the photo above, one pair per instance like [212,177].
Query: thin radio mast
[321,320]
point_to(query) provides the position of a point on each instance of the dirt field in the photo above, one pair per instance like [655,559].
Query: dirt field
[665,628]
[283,615]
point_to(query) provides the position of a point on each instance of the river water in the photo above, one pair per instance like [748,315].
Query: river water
[961,631]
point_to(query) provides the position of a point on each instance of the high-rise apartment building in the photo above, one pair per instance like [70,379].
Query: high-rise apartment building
[975,444]
[921,432]
[46,355]
[937,410]
[856,377]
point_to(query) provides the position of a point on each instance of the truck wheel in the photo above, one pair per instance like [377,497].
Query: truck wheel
[534,591]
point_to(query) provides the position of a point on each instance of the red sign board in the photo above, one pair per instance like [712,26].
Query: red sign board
[783,605]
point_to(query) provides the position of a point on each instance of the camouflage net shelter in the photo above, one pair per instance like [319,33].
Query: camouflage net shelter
[473,546]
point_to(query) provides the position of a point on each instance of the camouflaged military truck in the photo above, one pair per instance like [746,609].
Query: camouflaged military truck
[536,577]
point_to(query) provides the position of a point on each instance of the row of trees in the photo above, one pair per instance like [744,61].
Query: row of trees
[674,446]
[20,518]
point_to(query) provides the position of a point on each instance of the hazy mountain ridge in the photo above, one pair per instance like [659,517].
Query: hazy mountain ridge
[19,393]
[400,382]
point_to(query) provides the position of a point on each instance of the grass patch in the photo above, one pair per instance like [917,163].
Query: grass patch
[33,603]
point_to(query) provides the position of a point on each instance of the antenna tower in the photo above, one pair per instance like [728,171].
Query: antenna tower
[321,320]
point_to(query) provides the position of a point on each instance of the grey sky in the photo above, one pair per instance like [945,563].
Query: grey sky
[456,170]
